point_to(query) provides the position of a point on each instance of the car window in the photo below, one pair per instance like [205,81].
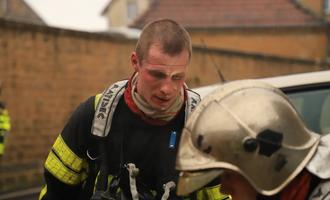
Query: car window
[314,107]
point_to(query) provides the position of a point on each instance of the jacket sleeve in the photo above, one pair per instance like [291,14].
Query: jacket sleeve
[66,166]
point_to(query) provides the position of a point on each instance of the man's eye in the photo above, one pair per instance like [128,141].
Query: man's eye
[177,77]
[157,75]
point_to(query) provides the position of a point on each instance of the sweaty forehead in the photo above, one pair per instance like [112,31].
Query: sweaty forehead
[176,69]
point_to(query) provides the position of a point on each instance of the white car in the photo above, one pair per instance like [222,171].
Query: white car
[309,92]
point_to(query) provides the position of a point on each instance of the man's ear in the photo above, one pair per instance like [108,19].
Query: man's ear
[135,61]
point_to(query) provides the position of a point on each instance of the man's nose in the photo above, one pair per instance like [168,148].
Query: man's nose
[167,87]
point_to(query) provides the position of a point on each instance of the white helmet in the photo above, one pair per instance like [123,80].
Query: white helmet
[249,127]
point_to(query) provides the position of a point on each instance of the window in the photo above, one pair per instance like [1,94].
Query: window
[326,7]
[314,107]
[131,10]
[3,8]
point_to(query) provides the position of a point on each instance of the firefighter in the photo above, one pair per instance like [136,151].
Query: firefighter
[128,135]
[249,135]
[4,125]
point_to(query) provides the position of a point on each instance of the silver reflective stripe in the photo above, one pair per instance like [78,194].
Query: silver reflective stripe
[192,101]
[106,107]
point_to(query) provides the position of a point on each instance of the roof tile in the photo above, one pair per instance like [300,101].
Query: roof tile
[229,13]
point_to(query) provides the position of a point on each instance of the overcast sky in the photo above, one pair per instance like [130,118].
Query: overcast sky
[73,14]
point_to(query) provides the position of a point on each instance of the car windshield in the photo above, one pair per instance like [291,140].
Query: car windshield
[314,107]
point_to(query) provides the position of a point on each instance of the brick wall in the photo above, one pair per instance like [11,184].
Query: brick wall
[239,65]
[290,42]
[46,72]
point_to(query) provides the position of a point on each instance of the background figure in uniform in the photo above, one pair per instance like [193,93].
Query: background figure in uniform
[4,124]
[250,136]
[131,131]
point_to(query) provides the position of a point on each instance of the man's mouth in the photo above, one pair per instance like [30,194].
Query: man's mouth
[163,99]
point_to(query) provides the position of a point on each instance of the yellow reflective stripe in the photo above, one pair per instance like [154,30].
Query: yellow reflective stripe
[60,171]
[212,193]
[96,100]
[67,156]
[2,148]
[64,164]
[6,126]
[5,120]
[43,192]
[201,195]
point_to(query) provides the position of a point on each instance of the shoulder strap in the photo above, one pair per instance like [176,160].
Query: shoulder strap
[106,107]
[192,101]
[109,100]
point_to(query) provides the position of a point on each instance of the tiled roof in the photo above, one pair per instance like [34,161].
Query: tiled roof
[20,11]
[229,13]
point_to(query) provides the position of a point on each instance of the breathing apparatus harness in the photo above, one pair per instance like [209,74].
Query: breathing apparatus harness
[100,129]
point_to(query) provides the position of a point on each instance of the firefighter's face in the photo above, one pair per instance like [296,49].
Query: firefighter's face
[237,186]
[160,76]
